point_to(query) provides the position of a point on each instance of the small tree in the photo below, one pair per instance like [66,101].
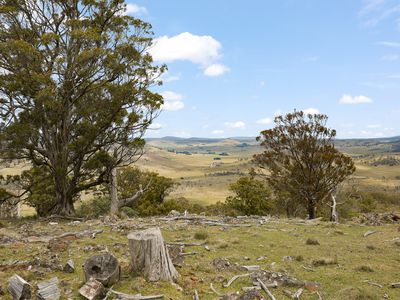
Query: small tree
[252,196]
[75,96]
[301,158]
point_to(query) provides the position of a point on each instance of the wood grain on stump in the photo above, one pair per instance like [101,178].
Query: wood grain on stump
[104,268]
[149,256]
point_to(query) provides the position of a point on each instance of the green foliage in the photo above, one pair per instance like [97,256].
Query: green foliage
[94,208]
[130,180]
[252,197]
[302,160]
[75,91]
[40,185]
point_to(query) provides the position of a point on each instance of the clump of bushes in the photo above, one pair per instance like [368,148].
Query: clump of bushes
[201,235]
[311,241]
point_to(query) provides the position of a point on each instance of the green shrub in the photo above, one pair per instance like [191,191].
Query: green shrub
[94,208]
[252,197]
[201,235]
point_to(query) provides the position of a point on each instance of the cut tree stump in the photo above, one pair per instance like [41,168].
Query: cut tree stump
[19,288]
[48,290]
[104,268]
[149,256]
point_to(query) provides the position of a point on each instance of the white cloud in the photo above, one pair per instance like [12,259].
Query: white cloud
[235,125]
[311,111]
[172,101]
[348,99]
[374,12]
[265,121]
[198,49]
[370,6]
[390,44]
[203,50]
[374,126]
[134,9]
[217,131]
[394,76]
[215,70]
[166,77]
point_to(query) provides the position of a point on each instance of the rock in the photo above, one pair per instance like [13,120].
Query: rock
[174,213]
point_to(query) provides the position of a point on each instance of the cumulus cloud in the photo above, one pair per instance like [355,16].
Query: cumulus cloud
[134,9]
[348,99]
[172,101]
[235,125]
[311,111]
[186,46]
[203,50]
[217,131]
[265,121]
[215,70]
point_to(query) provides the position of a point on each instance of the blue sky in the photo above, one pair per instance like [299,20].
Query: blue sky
[234,64]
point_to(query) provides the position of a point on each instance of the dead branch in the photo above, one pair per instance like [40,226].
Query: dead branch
[263,286]
[236,277]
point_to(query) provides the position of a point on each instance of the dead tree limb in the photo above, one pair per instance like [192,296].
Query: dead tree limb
[264,287]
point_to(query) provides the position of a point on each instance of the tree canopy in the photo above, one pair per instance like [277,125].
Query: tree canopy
[75,96]
[301,159]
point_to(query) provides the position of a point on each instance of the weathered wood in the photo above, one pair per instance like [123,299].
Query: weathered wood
[264,287]
[236,277]
[369,232]
[19,288]
[48,290]
[395,285]
[69,267]
[149,255]
[92,289]
[104,268]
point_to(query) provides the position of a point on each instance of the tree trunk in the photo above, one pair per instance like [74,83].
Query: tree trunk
[64,203]
[312,210]
[19,288]
[334,213]
[116,203]
[114,192]
[149,255]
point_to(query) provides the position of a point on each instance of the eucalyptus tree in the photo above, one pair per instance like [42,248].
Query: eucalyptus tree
[75,89]
[301,159]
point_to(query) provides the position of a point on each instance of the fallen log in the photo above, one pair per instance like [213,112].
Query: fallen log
[19,288]
[149,255]
[48,290]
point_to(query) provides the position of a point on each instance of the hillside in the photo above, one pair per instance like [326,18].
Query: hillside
[205,167]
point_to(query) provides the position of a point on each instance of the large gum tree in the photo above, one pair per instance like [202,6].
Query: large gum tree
[75,97]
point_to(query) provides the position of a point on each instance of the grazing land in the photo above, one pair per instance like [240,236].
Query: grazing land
[340,263]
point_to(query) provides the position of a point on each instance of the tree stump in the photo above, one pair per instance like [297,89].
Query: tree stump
[149,256]
[92,290]
[104,268]
[19,288]
[48,290]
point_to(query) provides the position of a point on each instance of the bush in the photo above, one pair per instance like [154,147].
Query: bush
[252,197]
[94,208]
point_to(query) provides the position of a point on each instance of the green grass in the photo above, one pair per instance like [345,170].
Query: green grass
[341,276]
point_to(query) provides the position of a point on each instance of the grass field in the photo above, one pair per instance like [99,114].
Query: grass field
[353,260]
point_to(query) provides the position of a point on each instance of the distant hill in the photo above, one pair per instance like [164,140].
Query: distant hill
[353,146]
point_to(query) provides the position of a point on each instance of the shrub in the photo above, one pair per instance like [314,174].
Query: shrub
[94,208]
[252,196]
